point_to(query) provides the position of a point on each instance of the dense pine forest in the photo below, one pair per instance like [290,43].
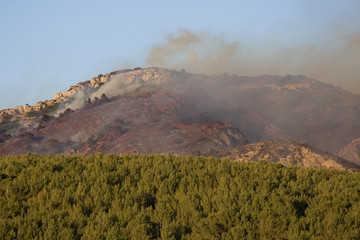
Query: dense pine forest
[173,197]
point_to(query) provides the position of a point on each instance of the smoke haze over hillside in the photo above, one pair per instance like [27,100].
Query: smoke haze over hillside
[116,86]
[205,53]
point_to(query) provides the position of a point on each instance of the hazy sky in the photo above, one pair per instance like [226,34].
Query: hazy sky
[47,46]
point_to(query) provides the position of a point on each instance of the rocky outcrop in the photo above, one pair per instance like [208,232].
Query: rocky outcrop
[156,76]
[286,153]
[95,82]
[352,151]
[26,117]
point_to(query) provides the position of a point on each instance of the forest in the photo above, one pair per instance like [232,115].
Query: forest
[134,196]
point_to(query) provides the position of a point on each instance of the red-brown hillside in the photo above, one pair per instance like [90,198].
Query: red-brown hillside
[143,121]
[163,111]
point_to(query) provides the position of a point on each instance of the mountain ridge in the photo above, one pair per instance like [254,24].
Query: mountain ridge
[244,109]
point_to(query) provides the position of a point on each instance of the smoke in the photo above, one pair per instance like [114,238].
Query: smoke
[76,102]
[118,85]
[21,127]
[337,64]
[195,52]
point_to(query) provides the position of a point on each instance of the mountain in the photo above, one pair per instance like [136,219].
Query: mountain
[157,110]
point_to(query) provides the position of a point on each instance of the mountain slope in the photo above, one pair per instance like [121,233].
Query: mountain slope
[164,111]
[146,121]
[286,153]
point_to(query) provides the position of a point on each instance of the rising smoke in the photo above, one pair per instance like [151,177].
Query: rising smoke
[118,85]
[204,53]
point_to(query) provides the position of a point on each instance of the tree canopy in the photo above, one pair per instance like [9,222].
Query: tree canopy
[173,197]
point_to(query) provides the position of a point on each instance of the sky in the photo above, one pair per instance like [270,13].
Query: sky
[47,46]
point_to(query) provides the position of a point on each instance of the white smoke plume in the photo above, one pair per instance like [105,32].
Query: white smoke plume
[118,85]
[205,53]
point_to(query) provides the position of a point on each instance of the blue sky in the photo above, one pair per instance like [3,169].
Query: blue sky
[47,46]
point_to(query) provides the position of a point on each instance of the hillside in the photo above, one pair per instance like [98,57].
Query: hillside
[286,153]
[157,196]
[157,110]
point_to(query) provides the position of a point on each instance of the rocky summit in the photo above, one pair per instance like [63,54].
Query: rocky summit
[285,119]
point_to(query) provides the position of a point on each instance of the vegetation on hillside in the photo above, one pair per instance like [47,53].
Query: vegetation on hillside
[155,196]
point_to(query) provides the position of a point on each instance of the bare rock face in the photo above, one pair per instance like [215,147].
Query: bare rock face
[352,151]
[95,82]
[21,118]
[286,153]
